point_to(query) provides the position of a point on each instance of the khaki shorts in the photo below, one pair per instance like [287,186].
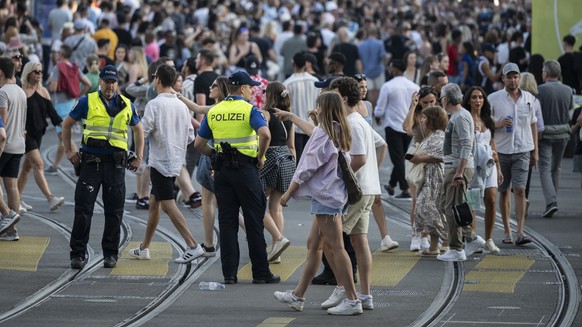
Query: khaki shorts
[358,218]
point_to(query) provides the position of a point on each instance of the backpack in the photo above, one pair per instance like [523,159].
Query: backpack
[69,79]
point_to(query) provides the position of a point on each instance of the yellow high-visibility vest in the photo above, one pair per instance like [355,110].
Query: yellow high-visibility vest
[230,121]
[100,126]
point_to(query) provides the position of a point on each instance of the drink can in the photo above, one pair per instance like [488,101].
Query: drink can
[509,129]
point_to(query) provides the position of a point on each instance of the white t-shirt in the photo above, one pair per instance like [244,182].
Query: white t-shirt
[364,142]
[13,99]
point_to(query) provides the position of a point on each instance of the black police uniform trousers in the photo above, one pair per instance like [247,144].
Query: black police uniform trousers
[235,188]
[92,176]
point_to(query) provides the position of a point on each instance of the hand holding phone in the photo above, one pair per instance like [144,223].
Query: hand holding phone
[408,156]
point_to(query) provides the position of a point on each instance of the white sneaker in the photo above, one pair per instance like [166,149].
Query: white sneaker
[339,294]
[415,243]
[9,220]
[367,301]
[21,210]
[25,205]
[190,254]
[278,248]
[388,244]
[288,297]
[347,308]
[424,243]
[452,255]
[55,202]
[10,236]
[474,245]
[276,261]
[490,247]
[140,254]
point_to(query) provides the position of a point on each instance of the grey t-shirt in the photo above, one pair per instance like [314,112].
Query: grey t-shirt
[56,19]
[13,99]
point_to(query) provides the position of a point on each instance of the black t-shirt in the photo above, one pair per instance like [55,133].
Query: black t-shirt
[202,85]
[569,76]
[351,53]
[123,35]
[279,130]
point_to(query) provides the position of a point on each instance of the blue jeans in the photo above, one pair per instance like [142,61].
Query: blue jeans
[551,153]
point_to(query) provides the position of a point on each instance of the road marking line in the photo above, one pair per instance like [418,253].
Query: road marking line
[276,322]
[489,275]
[158,265]
[292,259]
[389,268]
[23,255]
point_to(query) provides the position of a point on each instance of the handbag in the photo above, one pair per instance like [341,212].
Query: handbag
[352,185]
[462,213]
[415,172]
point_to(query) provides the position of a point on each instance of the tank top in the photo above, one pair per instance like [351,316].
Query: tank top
[279,130]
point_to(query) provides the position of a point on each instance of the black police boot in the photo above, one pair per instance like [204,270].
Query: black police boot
[325,278]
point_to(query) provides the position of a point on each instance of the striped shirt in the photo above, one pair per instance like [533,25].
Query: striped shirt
[303,94]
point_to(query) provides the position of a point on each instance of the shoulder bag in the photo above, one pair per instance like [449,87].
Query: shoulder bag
[462,212]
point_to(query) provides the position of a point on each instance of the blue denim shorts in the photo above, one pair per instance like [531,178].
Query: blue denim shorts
[319,209]
[63,109]
[203,173]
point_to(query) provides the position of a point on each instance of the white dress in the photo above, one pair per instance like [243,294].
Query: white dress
[485,138]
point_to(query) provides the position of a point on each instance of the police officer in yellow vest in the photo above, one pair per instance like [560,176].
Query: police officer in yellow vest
[101,162]
[238,154]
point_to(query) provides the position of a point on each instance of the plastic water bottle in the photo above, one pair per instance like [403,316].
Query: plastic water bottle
[211,286]
[509,129]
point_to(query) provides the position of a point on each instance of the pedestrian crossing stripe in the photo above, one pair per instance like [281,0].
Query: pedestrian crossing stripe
[23,255]
[291,260]
[158,265]
[276,322]
[497,274]
[388,269]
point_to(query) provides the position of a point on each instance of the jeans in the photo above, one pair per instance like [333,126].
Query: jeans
[551,153]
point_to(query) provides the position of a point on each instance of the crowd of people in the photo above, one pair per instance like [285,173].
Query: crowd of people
[260,99]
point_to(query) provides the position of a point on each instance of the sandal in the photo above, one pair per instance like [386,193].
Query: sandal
[428,252]
[508,239]
[522,240]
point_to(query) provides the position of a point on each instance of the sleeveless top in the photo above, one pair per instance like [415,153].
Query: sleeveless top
[38,109]
[279,130]
[368,117]
[241,62]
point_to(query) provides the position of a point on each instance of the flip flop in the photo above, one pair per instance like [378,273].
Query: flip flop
[507,240]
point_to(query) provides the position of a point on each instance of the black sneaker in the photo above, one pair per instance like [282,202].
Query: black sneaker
[230,280]
[325,278]
[195,200]
[143,204]
[273,279]
[403,196]
[132,198]
[110,262]
[550,210]
[209,251]
[77,263]
[389,189]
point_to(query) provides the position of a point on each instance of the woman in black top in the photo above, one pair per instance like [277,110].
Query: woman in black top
[39,107]
[279,165]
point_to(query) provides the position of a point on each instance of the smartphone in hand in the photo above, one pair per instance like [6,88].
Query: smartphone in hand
[408,156]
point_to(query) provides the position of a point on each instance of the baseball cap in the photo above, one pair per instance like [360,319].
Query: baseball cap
[108,72]
[488,47]
[242,78]
[252,65]
[338,57]
[510,68]
[313,60]
[326,83]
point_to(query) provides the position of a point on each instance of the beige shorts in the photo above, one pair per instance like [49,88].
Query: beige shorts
[358,218]
[376,83]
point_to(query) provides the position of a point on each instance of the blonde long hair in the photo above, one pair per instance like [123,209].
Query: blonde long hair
[331,110]
[139,58]
[26,71]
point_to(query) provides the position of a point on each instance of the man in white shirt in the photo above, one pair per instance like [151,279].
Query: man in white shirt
[392,108]
[516,137]
[304,95]
[167,124]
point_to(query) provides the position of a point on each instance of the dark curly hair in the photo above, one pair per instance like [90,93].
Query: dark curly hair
[347,87]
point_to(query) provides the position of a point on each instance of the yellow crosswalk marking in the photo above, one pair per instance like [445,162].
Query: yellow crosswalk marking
[495,274]
[23,255]
[388,269]
[158,265]
[292,258]
[276,322]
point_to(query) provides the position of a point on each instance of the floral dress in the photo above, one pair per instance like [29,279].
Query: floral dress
[428,218]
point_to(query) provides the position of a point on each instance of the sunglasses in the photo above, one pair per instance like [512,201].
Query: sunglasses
[360,77]
[17,57]
[38,72]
